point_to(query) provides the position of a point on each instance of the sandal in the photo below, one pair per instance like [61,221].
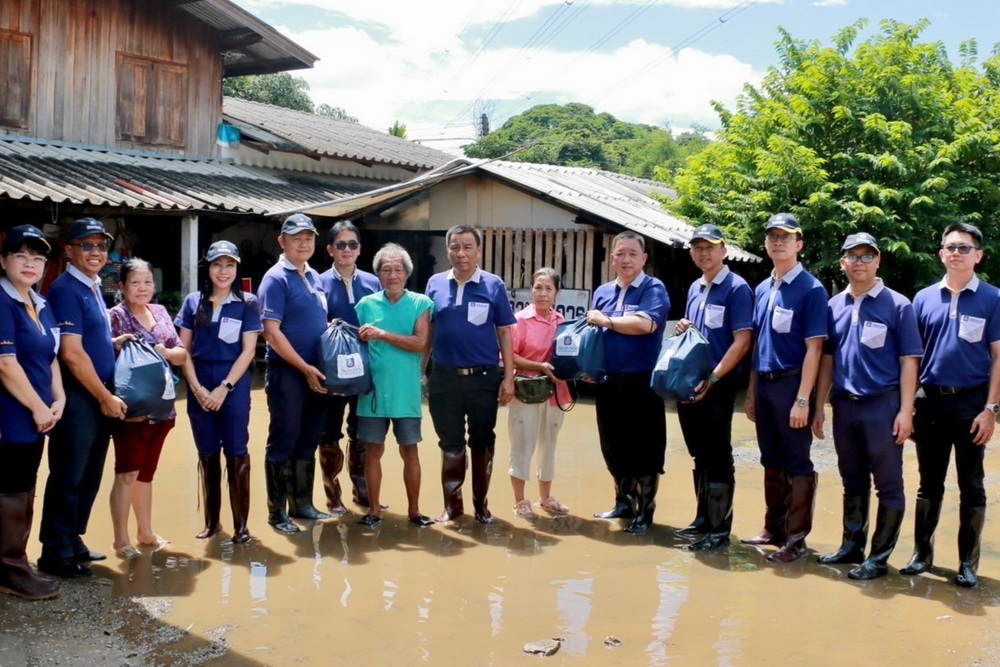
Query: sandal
[421,521]
[553,506]
[128,552]
[157,543]
[523,510]
[370,520]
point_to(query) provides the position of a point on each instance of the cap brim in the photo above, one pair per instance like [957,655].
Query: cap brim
[702,238]
[794,230]
[861,245]
[212,258]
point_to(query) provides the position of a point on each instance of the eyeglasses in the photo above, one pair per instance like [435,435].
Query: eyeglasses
[781,238]
[30,260]
[960,248]
[866,258]
[91,247]
[344,245]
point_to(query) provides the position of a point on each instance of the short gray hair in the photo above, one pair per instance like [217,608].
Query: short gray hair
[392,250]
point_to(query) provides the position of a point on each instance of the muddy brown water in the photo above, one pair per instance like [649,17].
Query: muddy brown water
[338,593]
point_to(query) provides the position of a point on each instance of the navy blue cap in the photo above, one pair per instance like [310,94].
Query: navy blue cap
[298,223]
[708,232]
[222,249]
[861,238]
[785,221]
[84,227]
[25,235]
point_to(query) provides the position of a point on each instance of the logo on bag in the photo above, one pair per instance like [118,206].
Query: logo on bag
[568,345]
[350,366]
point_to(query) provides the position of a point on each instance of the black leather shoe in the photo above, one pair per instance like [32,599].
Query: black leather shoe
[64,568]
[87,556]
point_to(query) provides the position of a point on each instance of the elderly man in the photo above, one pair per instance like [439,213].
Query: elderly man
[720,305]
[790,327]
[78,445]
[472,329]
[345,285]
[395,322]
[631,421]
[870,362]
[959,399]
[293,310]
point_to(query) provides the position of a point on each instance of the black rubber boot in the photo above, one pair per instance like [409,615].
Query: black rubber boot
[16,576]
[925,522]
[238,471]
[482,472]
[775,500]
[970,534]
[801,503]
[453,467]
[887,525]
[276,476]
[331,462]
[645,492]
[300,491]
[700,524]
[720,518]
[356,470]
[623,509]
[210,473]
[852,549]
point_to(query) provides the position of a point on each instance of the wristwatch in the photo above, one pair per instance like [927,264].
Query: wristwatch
[228,385]
[803,401]
[993,407]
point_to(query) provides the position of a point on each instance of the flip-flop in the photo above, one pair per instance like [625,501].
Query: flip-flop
[370,520]
[421,521]
[128,552]
[156,544]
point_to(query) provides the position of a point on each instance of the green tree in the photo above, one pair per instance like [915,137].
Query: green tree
[398,130]
[335,112]
[575,135]
[887,137]
[282,89]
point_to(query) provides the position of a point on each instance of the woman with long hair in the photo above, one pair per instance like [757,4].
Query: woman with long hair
[220,325]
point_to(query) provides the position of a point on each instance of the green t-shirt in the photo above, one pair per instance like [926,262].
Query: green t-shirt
[396,372]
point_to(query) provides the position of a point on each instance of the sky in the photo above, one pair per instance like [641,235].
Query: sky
[435,65]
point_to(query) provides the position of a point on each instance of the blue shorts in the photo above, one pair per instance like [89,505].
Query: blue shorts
[374,429]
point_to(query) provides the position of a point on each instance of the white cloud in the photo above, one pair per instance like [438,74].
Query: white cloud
[829,3]
[426,77]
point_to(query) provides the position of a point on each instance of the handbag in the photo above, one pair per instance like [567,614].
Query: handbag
[683,364]
[533,388]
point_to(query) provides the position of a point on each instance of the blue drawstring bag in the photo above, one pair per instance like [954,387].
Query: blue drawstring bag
[578,352]
[144,381]
[344,359]
[683,364]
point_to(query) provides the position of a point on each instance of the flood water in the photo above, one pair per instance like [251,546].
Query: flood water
[463,593]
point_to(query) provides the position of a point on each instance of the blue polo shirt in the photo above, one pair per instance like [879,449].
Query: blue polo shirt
[644,296]
[221,338]
[785,318]
[868,336]
[719,309]
[298,302]
[957,333]
[35,346]
[466,318]
[340,301]
[79,308]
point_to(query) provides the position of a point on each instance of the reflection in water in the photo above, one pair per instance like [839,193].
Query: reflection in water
[258,585]
[672,596]
[573,601]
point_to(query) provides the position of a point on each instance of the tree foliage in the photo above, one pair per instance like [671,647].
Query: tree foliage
[888,137]
[398,130]
[280,90]
[575,135]
[335,112]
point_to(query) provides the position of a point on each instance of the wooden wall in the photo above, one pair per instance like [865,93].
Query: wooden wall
[75,50]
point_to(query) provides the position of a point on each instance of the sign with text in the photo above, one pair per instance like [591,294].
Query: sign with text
[572,303]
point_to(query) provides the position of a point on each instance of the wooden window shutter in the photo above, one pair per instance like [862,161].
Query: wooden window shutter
[152,101]
[15,78]
[169,104]
[133,98]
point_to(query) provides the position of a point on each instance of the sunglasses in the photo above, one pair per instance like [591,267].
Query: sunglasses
[961,249]
[867,258]
[91,247]
[344,245]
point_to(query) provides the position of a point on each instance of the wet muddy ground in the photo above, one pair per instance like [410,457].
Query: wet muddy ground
[463,593]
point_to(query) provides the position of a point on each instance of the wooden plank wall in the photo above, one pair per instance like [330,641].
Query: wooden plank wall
[74,52]
[514,254]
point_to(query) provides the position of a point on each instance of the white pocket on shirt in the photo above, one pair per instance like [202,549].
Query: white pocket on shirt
[479,313]
[781,319]
[873,334]
[229,329]
[55,336]
[970,329]
[715,316]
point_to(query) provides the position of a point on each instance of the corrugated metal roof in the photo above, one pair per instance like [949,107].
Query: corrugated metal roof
[249,46]
[49,172]
[286,129]
[594,195]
